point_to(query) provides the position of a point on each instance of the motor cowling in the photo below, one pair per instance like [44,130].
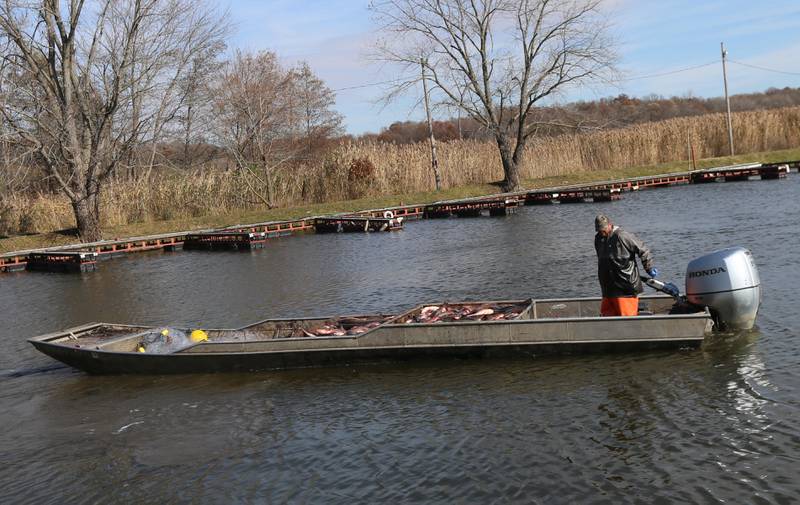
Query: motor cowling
[727,282]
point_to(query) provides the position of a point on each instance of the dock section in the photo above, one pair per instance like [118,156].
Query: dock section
[356,224]
[474,207]
[403,211]
[62,261]
[273,229]
[573,196]
[740,173]
[240,241]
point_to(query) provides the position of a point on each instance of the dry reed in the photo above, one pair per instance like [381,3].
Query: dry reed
[399,169]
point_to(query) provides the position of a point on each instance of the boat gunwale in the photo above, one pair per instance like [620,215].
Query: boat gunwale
[43,339]
[145,327]
[693,315]
[89,326]
[376,348]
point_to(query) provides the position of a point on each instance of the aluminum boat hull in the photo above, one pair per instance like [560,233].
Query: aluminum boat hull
[549,327]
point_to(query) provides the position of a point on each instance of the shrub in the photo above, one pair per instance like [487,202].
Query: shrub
[360,177]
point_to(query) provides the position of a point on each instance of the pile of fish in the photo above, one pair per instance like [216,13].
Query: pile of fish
[357,325]
[448,313]
[341,326]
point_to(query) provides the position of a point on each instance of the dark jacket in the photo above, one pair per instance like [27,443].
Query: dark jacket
[616,263]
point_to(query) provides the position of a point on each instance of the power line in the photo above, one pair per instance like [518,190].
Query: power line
[393,81]
[764,68]
[637,77]
[677,71]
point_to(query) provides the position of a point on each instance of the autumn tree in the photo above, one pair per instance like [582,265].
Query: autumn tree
[92,81]
[498,59]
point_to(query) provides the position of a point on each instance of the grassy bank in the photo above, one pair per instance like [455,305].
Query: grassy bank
[34,241]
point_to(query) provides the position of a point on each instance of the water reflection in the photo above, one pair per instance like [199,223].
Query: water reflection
[687,426]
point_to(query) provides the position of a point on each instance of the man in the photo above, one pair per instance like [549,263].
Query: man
[616,268]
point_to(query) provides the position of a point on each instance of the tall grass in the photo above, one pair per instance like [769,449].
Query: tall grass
[406,168]
[385,169]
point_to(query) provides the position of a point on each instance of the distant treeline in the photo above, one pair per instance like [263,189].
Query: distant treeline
[605,113]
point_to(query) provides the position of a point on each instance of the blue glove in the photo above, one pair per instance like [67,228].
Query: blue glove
[672,290]
[653,272]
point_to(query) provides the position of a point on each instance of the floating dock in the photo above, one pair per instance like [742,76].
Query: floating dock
[240,241]
[14,262]
[741,173]
[62,262]
[355,224]
[493,205]
[572,196]
[731,173]
[498,206]
[274,229]
[405,212]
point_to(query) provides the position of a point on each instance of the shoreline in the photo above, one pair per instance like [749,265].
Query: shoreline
[22,245]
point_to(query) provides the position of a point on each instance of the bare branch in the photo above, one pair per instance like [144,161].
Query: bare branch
[89,81]
[497,59]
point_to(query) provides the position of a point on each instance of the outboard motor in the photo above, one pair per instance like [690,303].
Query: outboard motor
[727,282]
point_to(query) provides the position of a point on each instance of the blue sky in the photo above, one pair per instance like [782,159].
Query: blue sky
[654,36]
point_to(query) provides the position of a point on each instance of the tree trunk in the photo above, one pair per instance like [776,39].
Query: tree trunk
[268,178]
[187,138]
[510,164]
[270,189]
[87,217]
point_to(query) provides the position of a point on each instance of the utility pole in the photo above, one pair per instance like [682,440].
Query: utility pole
[727,99]
[434,160]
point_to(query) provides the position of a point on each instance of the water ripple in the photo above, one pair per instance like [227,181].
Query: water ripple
[718,424]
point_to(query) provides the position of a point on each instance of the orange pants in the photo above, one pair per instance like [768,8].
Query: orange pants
[628,306]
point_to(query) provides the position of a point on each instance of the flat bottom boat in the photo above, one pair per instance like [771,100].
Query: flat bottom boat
[534,327]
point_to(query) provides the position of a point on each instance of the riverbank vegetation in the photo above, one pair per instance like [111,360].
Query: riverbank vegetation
[181,220]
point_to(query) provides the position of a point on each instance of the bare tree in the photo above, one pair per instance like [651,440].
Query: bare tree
[255,119]
[496,59]
[194,117]
[15,166]
[95,80]
[314,102]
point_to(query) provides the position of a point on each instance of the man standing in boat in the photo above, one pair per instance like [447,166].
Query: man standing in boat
[616,267]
